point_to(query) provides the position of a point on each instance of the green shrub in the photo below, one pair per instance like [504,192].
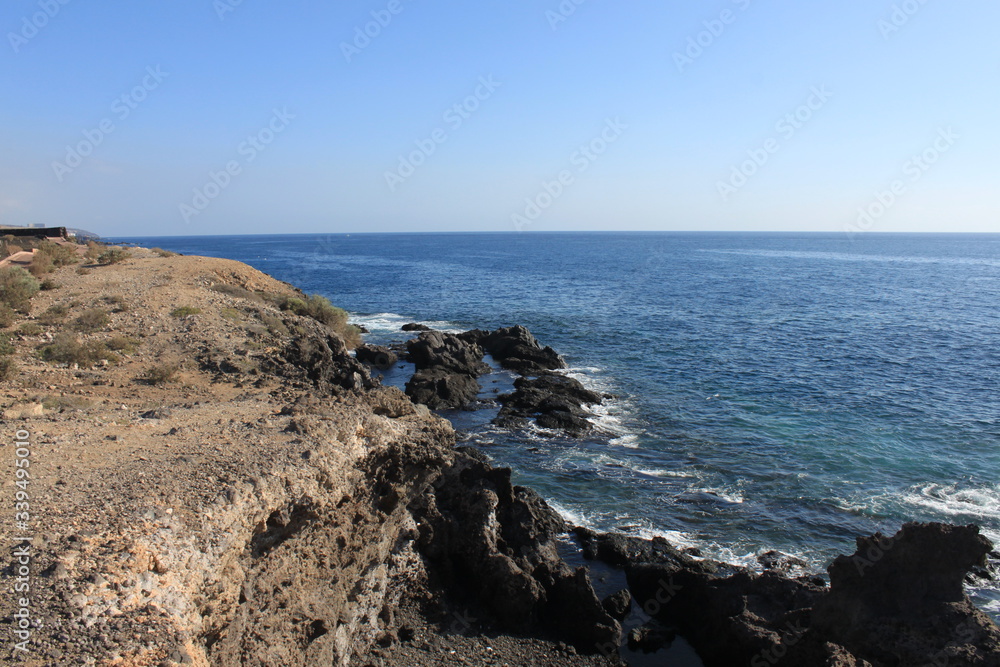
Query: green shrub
[17,286]
[184,311]
[118,301]
[67,349]
[82,270]
[48,284]
[164,253]
[7,316]
[54,314]
[60,255]
[231,314]
[6,347]
[161,373]
[113,256]
[41,265]
[274,325]
[29,329]
[94,250]
[124,344]
[91,320]
[320,309]
[8,368]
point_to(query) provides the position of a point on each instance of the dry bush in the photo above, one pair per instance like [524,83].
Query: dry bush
[67,349]
[91,320]
[161,373]
[17,286]
[54,314]
[184,311]
[113,256]
[163,253]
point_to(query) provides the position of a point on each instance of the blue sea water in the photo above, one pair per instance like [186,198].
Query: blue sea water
[773,391]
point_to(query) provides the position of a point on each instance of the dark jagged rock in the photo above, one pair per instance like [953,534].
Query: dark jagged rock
[324,360]
[650,638]
[439,389]
[900,600]
[498,541]
[440,351]
[618,604]
[413,326]
[897,601]
[775,560]
[515,348]
[555,401]
[380,357]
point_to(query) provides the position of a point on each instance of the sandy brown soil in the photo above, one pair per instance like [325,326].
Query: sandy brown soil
[242,512]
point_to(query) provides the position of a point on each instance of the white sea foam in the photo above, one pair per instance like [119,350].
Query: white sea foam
[384,323]
[980,505]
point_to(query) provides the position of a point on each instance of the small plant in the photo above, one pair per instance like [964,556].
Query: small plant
[67,349]
[66,403]
[236,291]
[60,255]
[113,256]
[82,271]
[164,253]
[94,250]
[124,344]
[274,325]
[91,320]
[41,265]
[54,314]
[49,284]
[8,368]
[6,347]
[7,316]
[231,314]
[161,373]
[184,311]
[29,329]
[17,286]
[118,302]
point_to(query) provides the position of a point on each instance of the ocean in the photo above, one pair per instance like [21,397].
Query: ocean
[772,391]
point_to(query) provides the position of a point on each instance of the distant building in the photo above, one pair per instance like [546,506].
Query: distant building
[39,232]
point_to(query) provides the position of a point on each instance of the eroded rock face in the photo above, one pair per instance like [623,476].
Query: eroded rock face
[515,348]
[497,540]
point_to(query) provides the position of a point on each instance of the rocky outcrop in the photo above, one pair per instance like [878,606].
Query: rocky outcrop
[439,389]
[554,401]
[413,326]
[897,601]
[515,348]
[485,535]
[447,368]
[376,356]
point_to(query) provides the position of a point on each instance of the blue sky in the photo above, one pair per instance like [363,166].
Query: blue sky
[219,117]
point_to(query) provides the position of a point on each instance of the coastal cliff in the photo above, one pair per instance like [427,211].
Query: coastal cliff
[216,480]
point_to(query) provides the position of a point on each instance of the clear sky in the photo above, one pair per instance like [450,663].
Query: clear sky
[229,116]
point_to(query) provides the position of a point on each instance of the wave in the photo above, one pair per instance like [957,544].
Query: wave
[392,323]
[955,504]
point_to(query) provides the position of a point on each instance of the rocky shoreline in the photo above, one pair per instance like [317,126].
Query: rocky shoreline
[273,504]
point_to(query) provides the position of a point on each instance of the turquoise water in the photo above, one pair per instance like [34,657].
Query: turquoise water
[775,391]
